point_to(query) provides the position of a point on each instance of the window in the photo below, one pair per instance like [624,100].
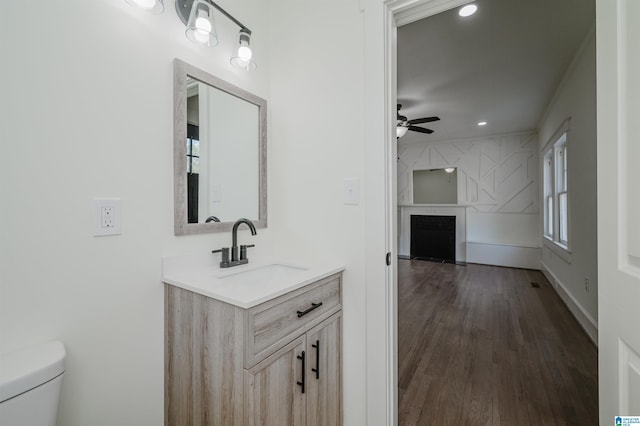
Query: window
[555,176]
[561,183]
[548,195]
[193,172]
[193,149]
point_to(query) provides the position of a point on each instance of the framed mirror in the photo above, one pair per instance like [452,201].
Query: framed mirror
[435,186]
[220,153]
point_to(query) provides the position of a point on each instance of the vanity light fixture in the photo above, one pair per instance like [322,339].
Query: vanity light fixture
[151,6]
[197,15]
[450,169]
[200,26]
[185,9]
[243,58]
[467,10]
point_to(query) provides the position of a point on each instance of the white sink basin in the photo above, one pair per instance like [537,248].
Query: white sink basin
[246,285]
[263,274]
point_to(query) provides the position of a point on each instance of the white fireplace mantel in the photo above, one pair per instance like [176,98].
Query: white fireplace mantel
[459,211]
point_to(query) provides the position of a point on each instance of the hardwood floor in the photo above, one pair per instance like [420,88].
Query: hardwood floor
[479,345]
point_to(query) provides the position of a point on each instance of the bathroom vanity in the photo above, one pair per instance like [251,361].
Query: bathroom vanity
[259,345]
[255,343]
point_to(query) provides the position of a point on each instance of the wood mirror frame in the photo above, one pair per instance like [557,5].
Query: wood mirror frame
[182,70]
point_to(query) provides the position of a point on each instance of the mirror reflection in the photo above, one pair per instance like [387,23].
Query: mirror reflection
[219,153]
[436,186]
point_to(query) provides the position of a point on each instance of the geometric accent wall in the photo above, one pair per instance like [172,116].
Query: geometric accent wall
[495,173]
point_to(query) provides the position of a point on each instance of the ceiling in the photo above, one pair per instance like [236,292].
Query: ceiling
[501,65]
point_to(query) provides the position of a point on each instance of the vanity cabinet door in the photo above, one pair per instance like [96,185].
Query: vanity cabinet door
[273,387]
[324,373]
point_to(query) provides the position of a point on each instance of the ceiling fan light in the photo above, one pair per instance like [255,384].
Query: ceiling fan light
[401,131]
[467,10]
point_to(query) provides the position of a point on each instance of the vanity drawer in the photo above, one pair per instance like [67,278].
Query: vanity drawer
[274,323]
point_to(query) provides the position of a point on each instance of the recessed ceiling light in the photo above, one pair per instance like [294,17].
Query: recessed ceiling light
[467,10]
[482,123]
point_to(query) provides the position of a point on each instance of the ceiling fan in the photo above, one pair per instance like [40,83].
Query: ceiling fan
[405,124]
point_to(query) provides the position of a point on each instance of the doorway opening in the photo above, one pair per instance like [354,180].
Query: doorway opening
[501,83]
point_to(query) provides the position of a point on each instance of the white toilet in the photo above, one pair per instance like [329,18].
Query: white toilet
[30,383]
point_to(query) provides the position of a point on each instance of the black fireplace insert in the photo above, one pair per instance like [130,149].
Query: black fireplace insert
[433,238]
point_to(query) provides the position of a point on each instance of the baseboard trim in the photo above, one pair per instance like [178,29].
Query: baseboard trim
[511,255]
[583,317]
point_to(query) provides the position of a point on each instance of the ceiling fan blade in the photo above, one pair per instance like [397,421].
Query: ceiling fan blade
[399,106]
[420,129]
[401,117]
[424,120]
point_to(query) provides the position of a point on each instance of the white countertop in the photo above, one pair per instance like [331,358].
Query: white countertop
[240,285]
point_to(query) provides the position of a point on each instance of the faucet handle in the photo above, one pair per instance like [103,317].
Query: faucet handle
[225,254]
[243,250]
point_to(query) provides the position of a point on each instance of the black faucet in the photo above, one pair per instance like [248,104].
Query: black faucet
[236,259]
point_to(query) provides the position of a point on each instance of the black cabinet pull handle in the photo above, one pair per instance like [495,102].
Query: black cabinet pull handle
[304,368]
[317,369]
[306,311]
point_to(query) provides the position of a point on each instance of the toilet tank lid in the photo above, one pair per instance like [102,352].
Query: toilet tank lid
[27,368]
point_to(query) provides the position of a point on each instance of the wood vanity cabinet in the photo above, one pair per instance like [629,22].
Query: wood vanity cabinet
[227,365]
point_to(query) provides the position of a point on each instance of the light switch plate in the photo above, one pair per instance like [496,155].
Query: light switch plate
[107,216]
[352,191]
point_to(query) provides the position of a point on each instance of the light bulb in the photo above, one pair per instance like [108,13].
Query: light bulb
[243,60]
[244,52]
[203,24]
[203,27]
[200,26]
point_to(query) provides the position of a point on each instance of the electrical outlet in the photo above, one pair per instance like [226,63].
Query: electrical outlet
[107,214]
[586,284]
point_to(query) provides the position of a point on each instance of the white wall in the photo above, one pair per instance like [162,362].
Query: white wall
[576,98]
[317,128]
[498,181]
[495,173]
[89,110]
[86,111]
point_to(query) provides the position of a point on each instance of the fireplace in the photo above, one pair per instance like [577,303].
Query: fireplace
[433,238]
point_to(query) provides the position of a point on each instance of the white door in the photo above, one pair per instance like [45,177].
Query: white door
[618,71]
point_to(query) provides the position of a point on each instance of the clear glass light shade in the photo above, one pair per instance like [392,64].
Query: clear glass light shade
[151,6]
[401,131]
[200,27]
[243,60]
